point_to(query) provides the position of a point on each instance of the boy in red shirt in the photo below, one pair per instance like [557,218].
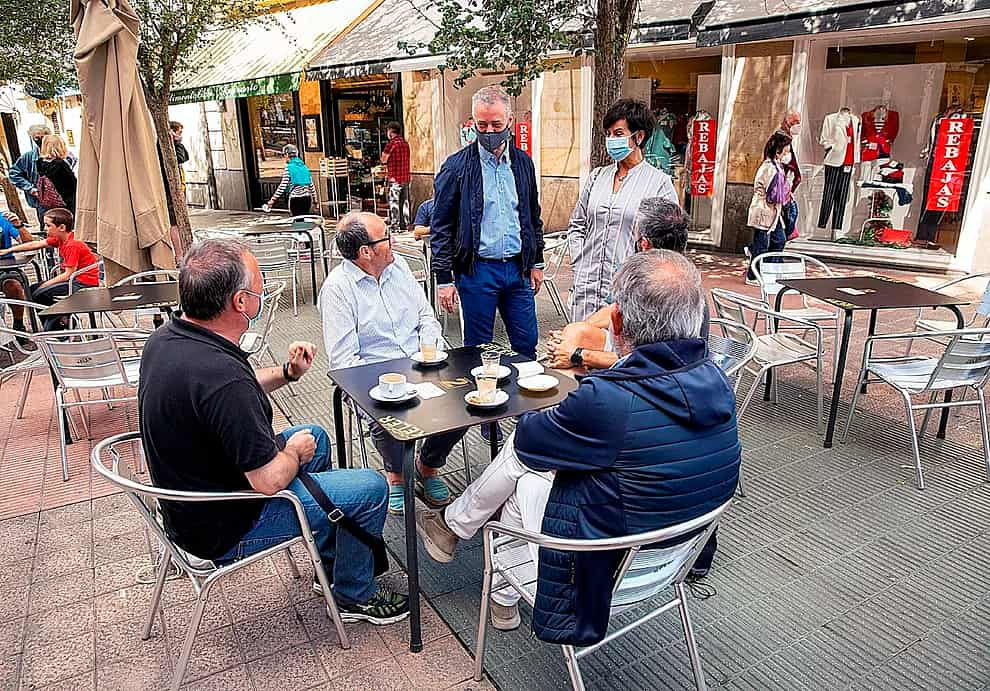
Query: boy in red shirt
[74,254]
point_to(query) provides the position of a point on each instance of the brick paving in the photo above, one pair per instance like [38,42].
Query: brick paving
[835,572]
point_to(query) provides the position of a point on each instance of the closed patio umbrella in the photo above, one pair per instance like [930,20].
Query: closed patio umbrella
[120,201]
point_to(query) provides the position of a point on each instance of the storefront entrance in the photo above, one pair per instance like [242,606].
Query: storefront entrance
[271,122]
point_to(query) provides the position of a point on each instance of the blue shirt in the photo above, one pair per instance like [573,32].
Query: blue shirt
[500,230]
[424,214]
[9,235]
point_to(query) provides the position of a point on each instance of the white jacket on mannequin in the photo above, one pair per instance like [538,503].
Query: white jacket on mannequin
[836,140]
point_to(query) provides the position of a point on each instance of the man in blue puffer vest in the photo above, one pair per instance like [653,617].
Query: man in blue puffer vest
[649,443]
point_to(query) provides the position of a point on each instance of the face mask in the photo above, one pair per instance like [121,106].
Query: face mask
[795,130]
[261,308]
[38,142]
[492,141]
[786,158]
[618,147]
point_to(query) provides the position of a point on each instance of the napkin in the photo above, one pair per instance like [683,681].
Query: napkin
[528,369]
[428,390]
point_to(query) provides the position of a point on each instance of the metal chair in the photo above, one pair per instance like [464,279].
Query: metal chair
[642,574]
[18,359]
[90,359]
[79,272]
[203,575]
[980,318]
[256,341]
[276,260]
[554,250]
[963,363]
[774,349]
[733,349]
[157,276]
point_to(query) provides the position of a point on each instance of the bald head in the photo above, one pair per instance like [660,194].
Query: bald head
[660,298]
[355,230]
[212,271]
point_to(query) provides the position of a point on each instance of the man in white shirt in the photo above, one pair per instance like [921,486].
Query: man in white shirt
[373,309]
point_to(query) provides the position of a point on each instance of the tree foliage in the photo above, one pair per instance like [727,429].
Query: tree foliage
[36,41]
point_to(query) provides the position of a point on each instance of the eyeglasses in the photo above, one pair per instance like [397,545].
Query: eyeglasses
[372,243]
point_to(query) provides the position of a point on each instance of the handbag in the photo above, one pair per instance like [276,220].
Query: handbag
[48,196]
[344,522]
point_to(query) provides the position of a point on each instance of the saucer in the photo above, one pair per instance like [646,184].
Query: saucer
[417,357]
[539,382]
[500,398]
[503,371]
[376,394]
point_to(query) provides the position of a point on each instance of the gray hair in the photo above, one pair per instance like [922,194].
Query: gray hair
[491,95]
[210,273]
[660,297]
[352,234]
[290,150]
[663,223]
[39,131]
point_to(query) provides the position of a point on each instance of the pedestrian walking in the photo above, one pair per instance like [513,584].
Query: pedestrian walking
[487,235]
[600,235]
[297,182]
[771,190]
[56,175]
[395,158]
[24,172]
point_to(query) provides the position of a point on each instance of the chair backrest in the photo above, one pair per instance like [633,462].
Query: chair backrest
[733,348]
[732,306]
[965,361]
[254,339]
[554,252]
[415,260]
[272,252]
[772,267]
[983,309]
[155,276]
[79,272]
[93,358]
[8,334]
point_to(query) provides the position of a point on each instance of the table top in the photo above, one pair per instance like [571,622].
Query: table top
[421,418]
[878,292]
[286,226]
[115,299]
[15,261]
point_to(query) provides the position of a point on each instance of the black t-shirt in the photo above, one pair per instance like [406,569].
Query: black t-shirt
[205,421]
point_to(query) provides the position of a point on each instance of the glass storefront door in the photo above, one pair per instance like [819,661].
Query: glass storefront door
[273,122]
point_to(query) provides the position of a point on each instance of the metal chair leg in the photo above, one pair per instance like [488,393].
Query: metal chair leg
[928,415]
[752,392]
[577,681]
[187,645]
[852,407]
[914,440]
[479,646]
[295,291]
[24,392]
[983,429]
[467,461]
[692,645]
[156,597]
[820,395]
[361,444]
[293,568]
[59,408]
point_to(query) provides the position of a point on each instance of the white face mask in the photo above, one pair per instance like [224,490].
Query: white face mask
[786,158]
[796,129]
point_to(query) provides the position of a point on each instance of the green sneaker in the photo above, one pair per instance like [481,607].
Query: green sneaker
[396,500]
[384,607]
[433,490]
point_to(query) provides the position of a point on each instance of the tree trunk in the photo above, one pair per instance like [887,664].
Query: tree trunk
[181,228]
[615,18]
[10,193]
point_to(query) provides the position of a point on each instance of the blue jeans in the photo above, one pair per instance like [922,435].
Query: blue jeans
[497,285]
[360,494]
[766,241]
[789,216]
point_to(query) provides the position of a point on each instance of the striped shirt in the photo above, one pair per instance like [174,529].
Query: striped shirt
[600,234]
[296,190]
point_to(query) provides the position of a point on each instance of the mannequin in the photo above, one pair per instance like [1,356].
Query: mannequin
[880,128]
[841,138]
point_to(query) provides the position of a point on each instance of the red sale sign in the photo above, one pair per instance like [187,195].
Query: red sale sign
[702,158]
[952,142]
[524,137]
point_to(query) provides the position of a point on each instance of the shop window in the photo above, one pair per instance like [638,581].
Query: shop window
[274,123]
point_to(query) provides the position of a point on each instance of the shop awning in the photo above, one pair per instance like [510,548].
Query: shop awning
[264,57]
[668,20]
[742,21]
[372,46]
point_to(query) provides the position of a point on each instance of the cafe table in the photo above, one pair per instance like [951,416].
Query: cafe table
[288,227]
[422,417]
[17,262]
[860,293]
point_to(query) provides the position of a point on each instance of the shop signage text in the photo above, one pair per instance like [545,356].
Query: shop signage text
[952,142]
[702,158]
[524,137]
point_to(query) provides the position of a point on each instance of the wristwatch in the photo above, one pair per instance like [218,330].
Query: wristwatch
[577,357]
[285,373]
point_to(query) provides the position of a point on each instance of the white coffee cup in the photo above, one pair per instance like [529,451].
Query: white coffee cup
[392,385]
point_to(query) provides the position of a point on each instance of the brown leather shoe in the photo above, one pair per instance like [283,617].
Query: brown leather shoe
[439,540]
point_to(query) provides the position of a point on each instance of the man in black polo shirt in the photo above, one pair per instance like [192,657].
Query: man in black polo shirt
[206,424]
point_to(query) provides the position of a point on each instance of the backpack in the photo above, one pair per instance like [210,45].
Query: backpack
[48,196]
[299,174]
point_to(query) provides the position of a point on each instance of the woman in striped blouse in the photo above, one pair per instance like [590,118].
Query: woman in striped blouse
[298,182]
[600,235]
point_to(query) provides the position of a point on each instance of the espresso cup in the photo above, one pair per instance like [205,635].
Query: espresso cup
[392,385]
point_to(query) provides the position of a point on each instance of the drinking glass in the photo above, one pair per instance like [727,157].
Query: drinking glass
[428,345]
[490,363]
[486,387]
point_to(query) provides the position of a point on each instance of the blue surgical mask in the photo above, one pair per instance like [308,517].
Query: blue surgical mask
[261,308]
[618,147]
[492,141]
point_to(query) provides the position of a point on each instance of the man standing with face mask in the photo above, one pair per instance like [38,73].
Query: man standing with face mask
[24,172]
[487,235]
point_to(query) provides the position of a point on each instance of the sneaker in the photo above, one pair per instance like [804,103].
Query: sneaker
[696,574]
[384,607]
[439,540]
[486,433]
[433,490]
[317,588]
[396,500]
[504,617]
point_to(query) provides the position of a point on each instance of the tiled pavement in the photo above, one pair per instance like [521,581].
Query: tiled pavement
[834,572]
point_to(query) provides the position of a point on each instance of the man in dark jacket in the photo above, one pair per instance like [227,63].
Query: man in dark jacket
[649,443]
[487,235]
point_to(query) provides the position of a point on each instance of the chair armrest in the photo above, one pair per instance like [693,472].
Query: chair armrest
[961,279]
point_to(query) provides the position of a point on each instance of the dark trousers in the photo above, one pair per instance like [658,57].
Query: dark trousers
[433,454]
[47,296]
[766,241]
[789,216]
[498,286]
[835,195]
[300,206]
